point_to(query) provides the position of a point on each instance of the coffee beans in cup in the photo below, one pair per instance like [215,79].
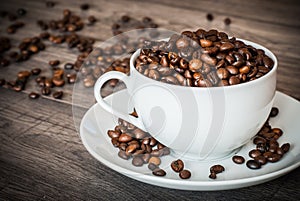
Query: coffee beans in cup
[202,59]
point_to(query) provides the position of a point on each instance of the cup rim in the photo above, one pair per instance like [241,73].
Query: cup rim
[249,83]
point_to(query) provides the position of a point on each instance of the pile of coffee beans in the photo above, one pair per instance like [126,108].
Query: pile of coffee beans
[267,147]
[134,143]
[202,59]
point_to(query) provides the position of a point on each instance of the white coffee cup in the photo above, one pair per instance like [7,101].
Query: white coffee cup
[196,122]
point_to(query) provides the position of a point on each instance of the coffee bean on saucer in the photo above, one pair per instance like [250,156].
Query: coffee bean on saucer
[122,154]
[155,160]
[261,159]
[184,174]
[159,172]
[213,175]
[152,166]
[252,164]
[217,169]
[285,147]
[274,112]
[254,153]
[84,6]
[33,95]
[238,159]
[177,165]
[137,161]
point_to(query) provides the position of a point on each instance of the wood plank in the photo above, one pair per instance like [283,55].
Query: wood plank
[42,158]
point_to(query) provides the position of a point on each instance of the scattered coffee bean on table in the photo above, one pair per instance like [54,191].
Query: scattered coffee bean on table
[227,21]
[209,17]
[58,94]
[33,95]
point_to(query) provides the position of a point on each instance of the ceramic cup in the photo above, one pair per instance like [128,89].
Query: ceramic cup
[196,123]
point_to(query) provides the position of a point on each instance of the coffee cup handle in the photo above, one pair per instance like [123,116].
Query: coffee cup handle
[109,108]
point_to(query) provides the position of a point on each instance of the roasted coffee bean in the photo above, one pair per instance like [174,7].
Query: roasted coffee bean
[227,21]
[152,166]
[155,160]
[113,133]
[54,63]
[21,12]
[177,165]
[213,175]
[182,43]
[253,164]
[205,43]
[261,147]
[33,95]
[274,112]
[217,169]
[125,137]
[137,161]
[185,174]
[58,94]
[234,80]
[195,65]
[254,153]
[46,91]
[159,172]
[50,4]
[209,17]
[223,73]
[226,46]
[260,159]
[84,6]
[69,66]
[92,19]
[238,159]
[58,82]
[274,158]
[122,154]
[285,147]
[208,59]
[36,71]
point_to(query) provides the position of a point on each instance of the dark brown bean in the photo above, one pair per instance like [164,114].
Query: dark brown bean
[234,80]
[274,112]
[159,172]
[254,153]
[217,169]
[125,137]
[274,158]
[227,46]
[223,73]
[46,91]
[137,161]
[213,175]
[208,59]
[33,95]
[205,43]
[261,159]
[252,164]
[285,147]
[177,165]
[185,174]
[238,159]
[58,94]
[122,154]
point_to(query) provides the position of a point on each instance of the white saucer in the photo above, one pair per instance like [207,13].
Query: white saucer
[97,121]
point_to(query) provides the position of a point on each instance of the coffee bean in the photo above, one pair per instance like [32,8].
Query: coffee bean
[205,43]
[54,63]
[33,95]
[177,165]
[234,80]
[226,46]
[217,169]
[182,43]
[261,159]
[252,164]
[58,94]
[84,6]
[36,71]
[152,166]
[46,91]
[254,153]
[122,154]
[21,12]
[50,4]
[238,159]
[223,73]
[155,160]
[259,140]
[125,137]
[274,158]
[185,174]
[208,59]
[92,19]
[227,21]
[69,66]
[213,175]
[159,172]
[58,82]
[195,65]
[274,112]
[113,133]
[137,161]
[285,147]
[209,17]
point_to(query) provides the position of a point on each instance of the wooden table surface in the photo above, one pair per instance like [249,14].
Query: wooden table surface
[41,154]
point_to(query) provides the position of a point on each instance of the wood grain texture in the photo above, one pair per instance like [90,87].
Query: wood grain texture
[41,155]
[42,158]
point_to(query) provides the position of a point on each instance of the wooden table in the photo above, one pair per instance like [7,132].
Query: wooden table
[41,154]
